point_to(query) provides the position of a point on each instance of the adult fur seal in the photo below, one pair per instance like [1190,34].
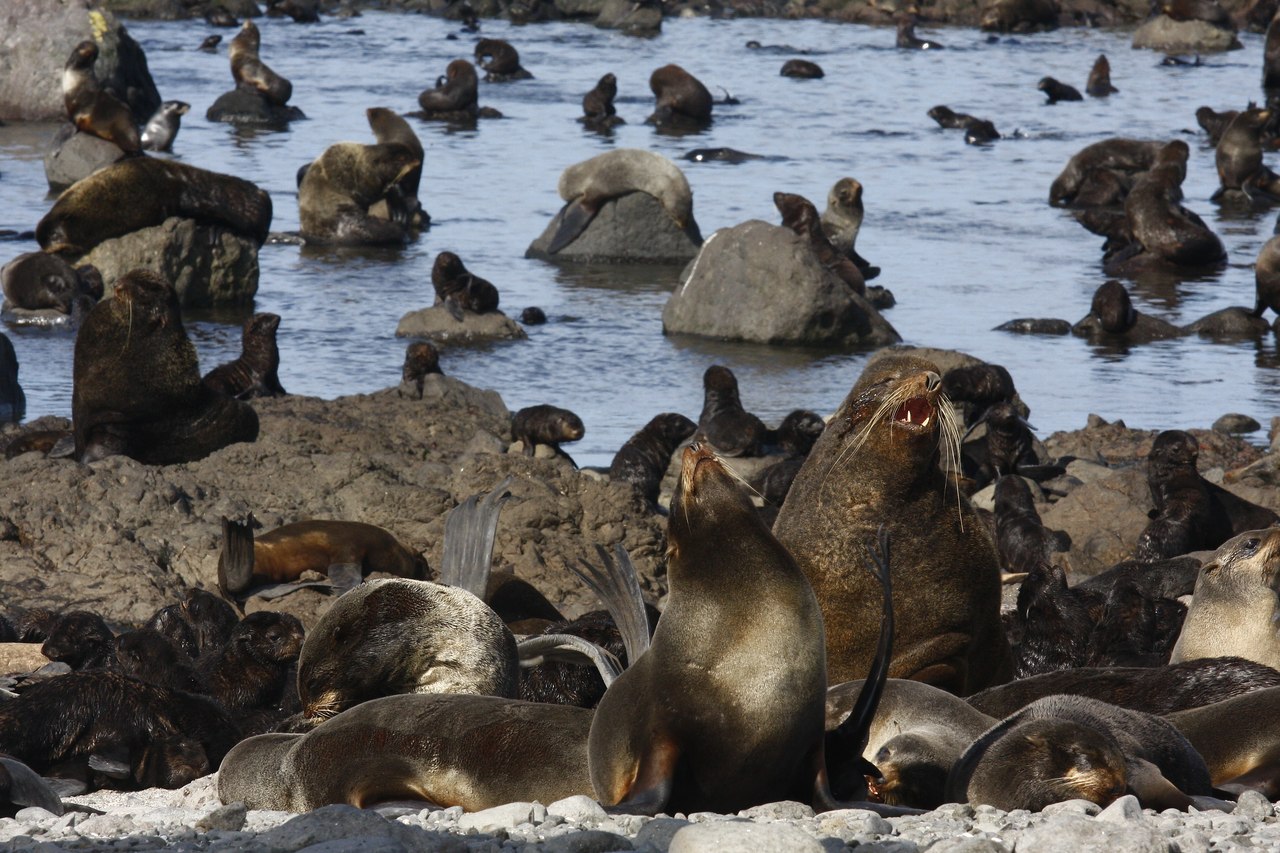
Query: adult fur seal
[1237,739]
[137,388]
[162,127]
[598,111]
[500,60]
[842,220]
[143,191]
[586,186]
[92,109]
[682,101]
[644,458]
[460,290]
[255,372]
[1238,157]
[1161,227]
[401,203]
[1234,607]
[878,463]
[1099,84]
[339,188]
[454,95]
[1126,156]
[287,552]
[250,72]
[470,751]
[397,635]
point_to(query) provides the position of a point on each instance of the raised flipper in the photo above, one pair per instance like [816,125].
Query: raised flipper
[469,532]
[235,565]
[113,763]
[574,218]
[567,648]
[618,588]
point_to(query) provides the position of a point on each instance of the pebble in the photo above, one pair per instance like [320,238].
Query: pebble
[743,837]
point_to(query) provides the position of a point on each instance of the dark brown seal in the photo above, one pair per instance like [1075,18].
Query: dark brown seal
[1161,227]
[148,655]
[255,372]
[682,100]
[143,191]
[842,220]
[1266,273]
[38,280]
[337,191]
[802,69]
[92,109]
[81,640]
[597,105]
[907,38]
[878,463]
[644,458]
[1057,91]
[250,675]
[420,359]
[1023,542]
[1112,316]
[730,428]
[287,552]
[137,388]
[500,60]
[1099,83]
[460,290]
[455,94]
[1236,738]
[949,118]
[401,202]
[1126,156]
[1238,156]
[545,424]
[799,215]
[250,72]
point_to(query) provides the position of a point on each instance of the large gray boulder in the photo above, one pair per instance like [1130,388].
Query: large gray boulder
[633,19]
[1166,35]
[207,264]
[245,107]
[762,283]
[36,37]
[442,327]
[630,229]
[74,154]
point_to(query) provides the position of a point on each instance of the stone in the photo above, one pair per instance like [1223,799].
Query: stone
[579,8]
[979,844]
[634,19]
[1253,804]
[229,818]
[785,810]
[207,264]
[1166,35]
[1083,807]
[37,36]
[328,823]
[631,229]
[1123,809]
[1071,835]
[762,283]
[587,841]
[443,328]
[498,817]
[579,809]
[1236,424]
[74,155]
[735,836]
[1104,519]
[21,658]
[657,833]
[245,107]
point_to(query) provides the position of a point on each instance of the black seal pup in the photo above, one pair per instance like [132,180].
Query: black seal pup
[1056,91]
[81,640]
[682,102]
[500,60]
[454,97]
[799,215]
[162,127]
[598,111]
[1023,542]
[420,359]
[1112,317]
[802,69]
[730,428]
[644,458]
[256,372]
[459,290]
[543,424]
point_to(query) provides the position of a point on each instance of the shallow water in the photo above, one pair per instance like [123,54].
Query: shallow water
[963,234]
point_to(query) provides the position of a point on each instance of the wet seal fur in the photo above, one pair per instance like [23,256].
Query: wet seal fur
[730,428]
[455,95]
[683,103]
[644,458]
[256,372]
[1099,83]
[878,463]
[137,388]
[545,424]
[460,290]
[500,60]
[38,280]
[162,127]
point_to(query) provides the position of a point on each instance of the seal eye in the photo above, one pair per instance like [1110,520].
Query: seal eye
[1250,545]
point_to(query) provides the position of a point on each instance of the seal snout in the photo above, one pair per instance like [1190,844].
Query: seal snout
[692,462]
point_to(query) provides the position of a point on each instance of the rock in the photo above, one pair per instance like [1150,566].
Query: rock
[968,845]
[634,19]
[1123,809]
[1254,805]
[1103,519]
[21,658]
[1230,324]
[1236,424]
[37,36]
[1019,16]
[330,823]
[501,817]
[243,106]
[229,818]
[579,8]
[1072,835]
[657,833]
[208,264]
[736,836]
[73,155]
[1083,807]
[588,841]
[630,229]
[441,327]
[1166,35]
[762,283]
[579,809]
[785,810]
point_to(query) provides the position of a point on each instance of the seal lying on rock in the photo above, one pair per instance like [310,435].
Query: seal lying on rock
[91,108]
[250,72]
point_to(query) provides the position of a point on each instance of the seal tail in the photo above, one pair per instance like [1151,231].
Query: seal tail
[469,532]
[567,648]
[235,564]
[618,588]
[574,219]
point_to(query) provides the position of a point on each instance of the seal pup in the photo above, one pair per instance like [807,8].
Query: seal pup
[249,71]
[1266,272]
[802,69]
[210,44]
[1238,157]
[136,382]
[91,108]
[1072,747]
[454,97]
[644,458]
[1234,606]
[598,112]
[949,118]
[162,127]
[420,359]
[801,217]
[907,38]
[549,425]
[500,60]
[533,316]
[284,554]
[401,203]
[38,280]
[81,640]
[1112,316]
[682,102]
[730,428]
[878,463]
[1099,83]
[460,290]
[250,675]
[587,186]
[842,220]
[1056,91]
[256,372]
[1023,542]
[148,655]
[1051,622]
[1119,155]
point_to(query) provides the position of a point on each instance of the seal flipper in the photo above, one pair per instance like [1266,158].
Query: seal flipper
[235,564]
[1152,789]
[618,588]
[469,532]
[24,787]
[568,648]
[574,219]
[651,789]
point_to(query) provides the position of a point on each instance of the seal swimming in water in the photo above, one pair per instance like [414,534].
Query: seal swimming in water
[91,108]
[586,186]
[906,36]
[878,463]
[137,389]
[250,72]
[256,372]
[1056,91]
[162,127]
[682,101]
[140,192]
[801,69]
[1099,83]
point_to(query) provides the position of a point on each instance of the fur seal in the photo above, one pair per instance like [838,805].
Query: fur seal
[644,458]
[250,675]
[533,316]
[683,103]
[801,217]
[1161,227]
[38,280]
[287,552]
[162,127]
[459,290]
[401,203]
[878,463]
[210,44]
[1237,740]
[250,72]
[1238,157]
[1056,91]
[907,38]
[20,787]
[1023,542]
[1072,747]
[503,61]
[730,428]
[534,425]
[454,96]
[1234,606]
[598,112]
[81,640]
[137,388]
[1112,315]
[1118,154]
[949,118]
[143,191]
[1266,272]
[255,372]
[1213,122]
[91,108]
[842,220]
[802,69]
[470,751]
[396,635]
[340,187]
[208,620]
[586,186]
[420,358]
[1099,83]
[148,655]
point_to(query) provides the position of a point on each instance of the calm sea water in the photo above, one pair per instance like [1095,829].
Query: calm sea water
[964,235]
